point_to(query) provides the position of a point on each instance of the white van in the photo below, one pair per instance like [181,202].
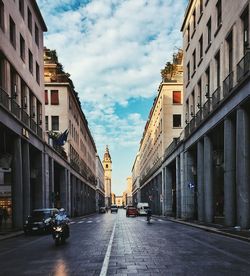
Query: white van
[142,208]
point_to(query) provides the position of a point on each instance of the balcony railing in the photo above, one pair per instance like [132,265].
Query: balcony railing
[186,130]
[243,66]
[206,109]
[25,118]
[216,98]
[40,132]
[171,147]
[15,109]
[228,85]
[4,98]
[33,125]
[192,125]
[198,118]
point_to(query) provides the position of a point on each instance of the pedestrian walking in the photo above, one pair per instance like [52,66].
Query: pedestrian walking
[1,216]
[5,215]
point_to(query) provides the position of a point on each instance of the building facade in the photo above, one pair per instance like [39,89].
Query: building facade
[163,128]
[68,133]
[216,88]
[205,173]
[136,195]
[100,191]
[107,165]
[129,199]
[21,109]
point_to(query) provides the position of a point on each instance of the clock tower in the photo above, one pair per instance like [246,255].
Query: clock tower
[107,165]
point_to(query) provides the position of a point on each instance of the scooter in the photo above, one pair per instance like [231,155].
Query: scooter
[60,232]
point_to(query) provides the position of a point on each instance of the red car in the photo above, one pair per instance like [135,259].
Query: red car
[131,211]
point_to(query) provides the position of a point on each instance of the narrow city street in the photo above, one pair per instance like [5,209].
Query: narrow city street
[137,248]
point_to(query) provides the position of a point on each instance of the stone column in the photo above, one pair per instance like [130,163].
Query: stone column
[51,183]
[26,178]
[208,180]
[242,168]
[163,192]
[229,173]
[17,184]
[178,188]
[189,185]
[39,180]
[69,206]
[200,180]
[63,187]
[182,182]
[46,181]
[169,200]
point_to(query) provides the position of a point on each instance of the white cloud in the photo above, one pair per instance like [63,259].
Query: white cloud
[114,50]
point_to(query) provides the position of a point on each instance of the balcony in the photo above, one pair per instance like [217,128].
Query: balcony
[40,132]
[206,109]
[243,67]
[216,98]
[198,118]
[4,98]
[192,125]
[228,85]
[33,125]
[25,118]
[15,109]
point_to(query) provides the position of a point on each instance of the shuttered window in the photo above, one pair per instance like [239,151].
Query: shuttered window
[176,97]
[46,96]
[54,97]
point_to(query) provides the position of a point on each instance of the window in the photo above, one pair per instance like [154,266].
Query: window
[29,20]
[22,48]
[217,59]
[2,72]
[209,32]
[194,61]
[55,122]
[12,32]
[201,46]
[46,99]
[30,62]
[245,22]
[218,9]
[21,7]
[188,72]
[176,120]
[194,20]
[188,33]
[37,73]
[207,82]
[46,123]
[176,97]
[107,166]
[201,7]
[36,35]
[1,15]
[199,98]
[54,97]
[230,51]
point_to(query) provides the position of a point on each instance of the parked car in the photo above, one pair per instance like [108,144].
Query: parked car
[40,221]
[113,208]
[131,211]
[102,210]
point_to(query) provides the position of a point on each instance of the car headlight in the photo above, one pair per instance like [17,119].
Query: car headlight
[58,229]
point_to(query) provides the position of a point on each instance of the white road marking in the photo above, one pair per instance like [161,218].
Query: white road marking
[89,221]
[80,221]
[107,256]
[72,222]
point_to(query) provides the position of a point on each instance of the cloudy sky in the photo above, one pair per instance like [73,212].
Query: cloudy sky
[114,51]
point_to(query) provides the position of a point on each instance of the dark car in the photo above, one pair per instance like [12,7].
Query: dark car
[113,208]
[40,221]
[131,211]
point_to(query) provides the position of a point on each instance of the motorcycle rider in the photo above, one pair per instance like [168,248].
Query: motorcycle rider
[62,219]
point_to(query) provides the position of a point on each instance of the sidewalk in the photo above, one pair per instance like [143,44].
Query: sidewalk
[231,232]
